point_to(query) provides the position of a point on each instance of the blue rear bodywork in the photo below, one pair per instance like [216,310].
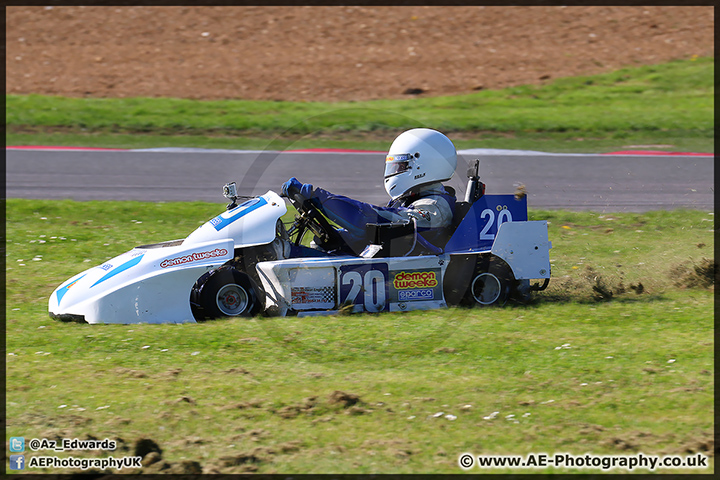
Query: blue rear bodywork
[477,230]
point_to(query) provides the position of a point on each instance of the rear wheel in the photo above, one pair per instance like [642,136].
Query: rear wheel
[491,283]
[225,292]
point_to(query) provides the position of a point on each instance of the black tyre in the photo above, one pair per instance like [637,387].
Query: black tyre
[491,283]
[225,292]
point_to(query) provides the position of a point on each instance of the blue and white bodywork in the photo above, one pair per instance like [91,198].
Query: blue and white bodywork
[243,262]
[496,226]
[152,283]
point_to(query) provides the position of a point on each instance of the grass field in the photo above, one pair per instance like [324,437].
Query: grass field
[670,105]
[616,357]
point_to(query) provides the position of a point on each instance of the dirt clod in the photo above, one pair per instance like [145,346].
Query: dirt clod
[445,350]
[185,467]
[257,433]
[355,410]
[121,445]
[151,458]
[695,275]
[307,405]
[622,444]
[289,447]
[237,370]
[243,405]
[344,399]
[325,419]
[591,429]
[143,446]
[704,443]
[158,467]
[172,373]
[130,372]
[238,459]
[289,411]
[602,290]
[194,440]
[402,453]
[262,453]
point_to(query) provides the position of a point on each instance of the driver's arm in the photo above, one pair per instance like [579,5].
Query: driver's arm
[353,215]
[350,214]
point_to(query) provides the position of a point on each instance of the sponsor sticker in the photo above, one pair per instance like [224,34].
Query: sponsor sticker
[226,218]
[120,269]
[398,158]
[63,290]
[312,295]
[405,280]
[420,294]
[193,257]
[415,285]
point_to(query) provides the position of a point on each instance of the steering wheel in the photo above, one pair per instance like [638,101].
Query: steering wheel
[311,218]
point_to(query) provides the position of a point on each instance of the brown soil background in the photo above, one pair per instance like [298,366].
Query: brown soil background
[334,53]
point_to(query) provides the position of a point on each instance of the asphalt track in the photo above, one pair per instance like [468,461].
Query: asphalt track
[602,183]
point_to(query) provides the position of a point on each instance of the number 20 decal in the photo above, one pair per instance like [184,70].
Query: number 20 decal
[365,286]
[504,215]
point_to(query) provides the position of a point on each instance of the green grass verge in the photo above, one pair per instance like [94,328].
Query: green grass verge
[595,364]
[662,104]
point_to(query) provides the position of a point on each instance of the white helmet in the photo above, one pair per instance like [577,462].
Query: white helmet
[417,157]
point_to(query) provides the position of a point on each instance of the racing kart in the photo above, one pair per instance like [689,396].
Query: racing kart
[245,262]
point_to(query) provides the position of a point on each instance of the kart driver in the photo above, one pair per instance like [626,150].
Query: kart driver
[416,164]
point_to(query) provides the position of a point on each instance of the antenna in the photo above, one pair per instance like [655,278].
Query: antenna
[475,188]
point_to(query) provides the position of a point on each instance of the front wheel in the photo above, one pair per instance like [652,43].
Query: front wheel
[225,292]
[491,283]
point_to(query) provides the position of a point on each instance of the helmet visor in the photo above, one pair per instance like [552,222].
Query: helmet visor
[396,164]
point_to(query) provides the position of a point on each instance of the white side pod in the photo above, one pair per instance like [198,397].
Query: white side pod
[525,247]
